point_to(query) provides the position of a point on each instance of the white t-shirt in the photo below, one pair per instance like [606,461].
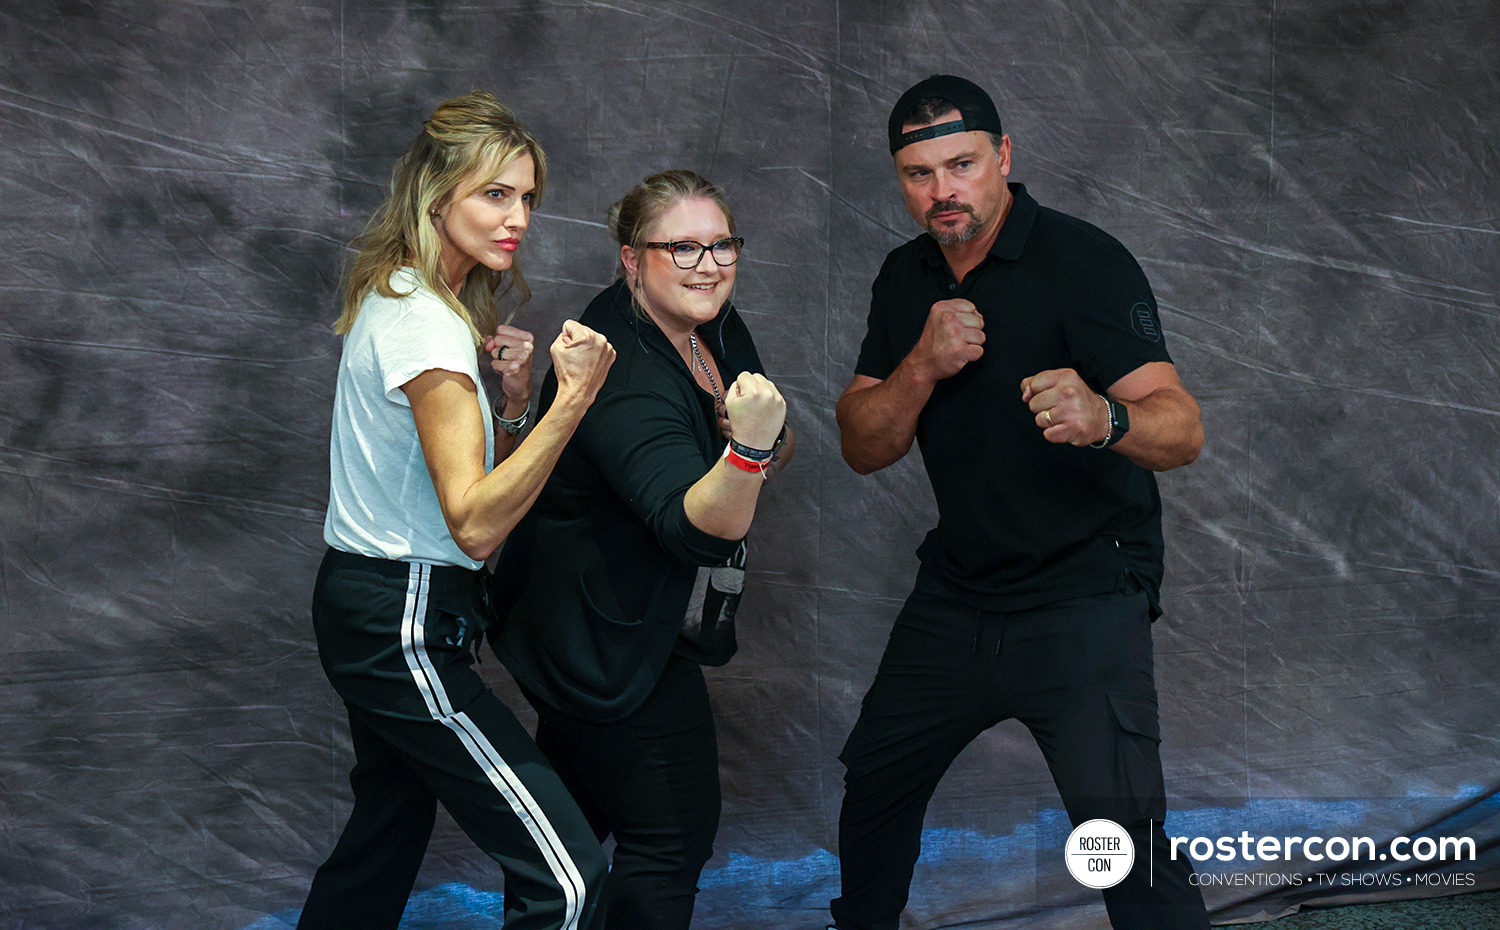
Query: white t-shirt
[381,502]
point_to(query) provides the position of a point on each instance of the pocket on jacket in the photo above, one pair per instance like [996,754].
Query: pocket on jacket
[609,652]
[602,606]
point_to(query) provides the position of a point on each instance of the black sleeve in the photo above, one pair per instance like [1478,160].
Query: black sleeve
[645,447]
[1112,327]
[876,356]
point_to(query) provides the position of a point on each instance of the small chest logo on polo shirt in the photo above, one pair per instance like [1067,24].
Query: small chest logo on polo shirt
[1143,321]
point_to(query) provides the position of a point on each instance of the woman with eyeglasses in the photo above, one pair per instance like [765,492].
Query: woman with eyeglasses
[635,553]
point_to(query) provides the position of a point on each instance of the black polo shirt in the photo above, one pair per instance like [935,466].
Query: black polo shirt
[1021,521]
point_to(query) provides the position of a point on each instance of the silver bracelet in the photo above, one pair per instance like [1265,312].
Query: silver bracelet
[1109,425]
[511,427]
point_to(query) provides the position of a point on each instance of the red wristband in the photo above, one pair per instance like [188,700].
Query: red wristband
[744,464]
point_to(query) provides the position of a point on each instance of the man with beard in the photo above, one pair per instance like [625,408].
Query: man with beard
[1022,349]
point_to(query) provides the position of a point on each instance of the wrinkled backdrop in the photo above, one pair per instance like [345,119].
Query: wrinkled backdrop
[1311,187]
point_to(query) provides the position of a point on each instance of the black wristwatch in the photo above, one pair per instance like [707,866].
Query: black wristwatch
[1119,424]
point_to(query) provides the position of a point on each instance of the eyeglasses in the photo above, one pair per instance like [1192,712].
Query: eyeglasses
[687,253]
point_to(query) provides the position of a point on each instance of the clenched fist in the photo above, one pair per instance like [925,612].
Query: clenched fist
[581,358]
[755,410]
[510,351]
[1066,409]
[952,338]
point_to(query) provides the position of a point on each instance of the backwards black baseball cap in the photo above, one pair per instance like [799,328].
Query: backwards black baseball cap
[976,110]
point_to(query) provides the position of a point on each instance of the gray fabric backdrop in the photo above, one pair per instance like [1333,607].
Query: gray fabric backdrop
[1312,187]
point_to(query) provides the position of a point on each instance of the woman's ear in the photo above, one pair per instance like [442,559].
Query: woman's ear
[439,208]
[629,258]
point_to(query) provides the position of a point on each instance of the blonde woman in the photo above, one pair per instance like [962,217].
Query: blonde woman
[416,505]
[634,556]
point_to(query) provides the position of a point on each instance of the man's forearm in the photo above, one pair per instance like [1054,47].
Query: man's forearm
[878,419]
[1166,430]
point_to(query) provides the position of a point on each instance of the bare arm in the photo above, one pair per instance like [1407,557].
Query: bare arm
[481,509]
[878,419]
[722,502]
[1166,429]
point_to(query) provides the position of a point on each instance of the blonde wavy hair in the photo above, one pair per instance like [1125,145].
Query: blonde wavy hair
[471,135]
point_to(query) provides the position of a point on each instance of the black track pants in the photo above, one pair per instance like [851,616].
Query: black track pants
[395,639]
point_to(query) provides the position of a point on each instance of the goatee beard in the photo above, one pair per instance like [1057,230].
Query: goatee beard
[953,238]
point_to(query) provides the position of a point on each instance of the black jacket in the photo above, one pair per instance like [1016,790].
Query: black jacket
[592,587]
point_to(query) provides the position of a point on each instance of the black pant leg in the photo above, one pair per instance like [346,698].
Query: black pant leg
[504,794]
[368,877]
[396,641]
[1084,669]
[928,701]
[651,781]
